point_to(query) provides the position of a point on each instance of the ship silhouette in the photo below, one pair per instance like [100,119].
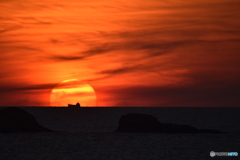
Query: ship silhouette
[77,105]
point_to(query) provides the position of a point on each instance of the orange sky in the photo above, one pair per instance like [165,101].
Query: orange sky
[133,53]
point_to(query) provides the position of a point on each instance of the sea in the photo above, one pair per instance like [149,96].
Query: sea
[89,133]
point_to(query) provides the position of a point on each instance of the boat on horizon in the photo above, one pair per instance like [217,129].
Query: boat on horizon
[77,105]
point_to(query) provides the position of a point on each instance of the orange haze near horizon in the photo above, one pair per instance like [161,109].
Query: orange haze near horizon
[133,53]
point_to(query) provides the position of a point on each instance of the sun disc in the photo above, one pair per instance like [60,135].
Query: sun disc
[73,91]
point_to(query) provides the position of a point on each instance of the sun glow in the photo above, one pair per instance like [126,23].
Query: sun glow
[71,92]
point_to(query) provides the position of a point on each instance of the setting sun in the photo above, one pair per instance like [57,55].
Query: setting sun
[71,92]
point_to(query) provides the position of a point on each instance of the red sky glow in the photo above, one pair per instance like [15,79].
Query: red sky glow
[133,53]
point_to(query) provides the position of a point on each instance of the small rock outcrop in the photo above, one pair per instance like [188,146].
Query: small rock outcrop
[134,122]
[14,119]
[138,123]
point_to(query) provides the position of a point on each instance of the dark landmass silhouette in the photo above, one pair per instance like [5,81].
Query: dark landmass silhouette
[74,106]
[134,122]
[14,119]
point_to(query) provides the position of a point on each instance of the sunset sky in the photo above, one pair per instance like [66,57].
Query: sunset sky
[132,52]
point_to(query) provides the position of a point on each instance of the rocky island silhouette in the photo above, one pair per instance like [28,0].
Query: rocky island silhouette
[13,119]
[135,122]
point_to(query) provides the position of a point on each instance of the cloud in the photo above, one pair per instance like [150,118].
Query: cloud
[124,38]
[146,42]
[172,96]
[130,68]
[100,48]
[67,58]
[118,71]
[10,29]
[24,87]
[152,48]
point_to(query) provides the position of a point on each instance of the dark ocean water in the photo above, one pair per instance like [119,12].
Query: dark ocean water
[88,133]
